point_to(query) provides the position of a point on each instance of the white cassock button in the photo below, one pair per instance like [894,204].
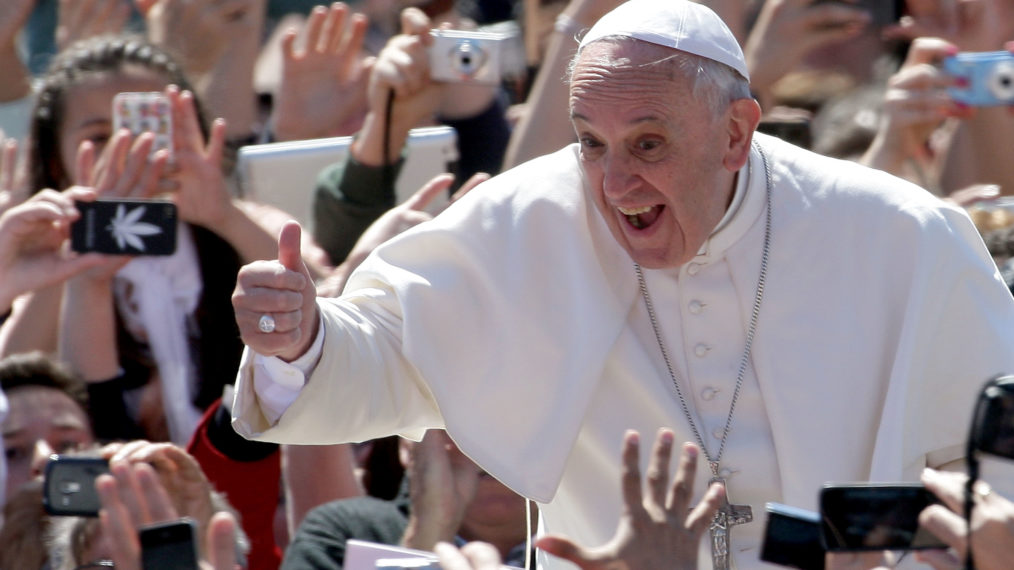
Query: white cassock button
[717,433]
[693,268]
[709,393]
[701,350]
[696,307]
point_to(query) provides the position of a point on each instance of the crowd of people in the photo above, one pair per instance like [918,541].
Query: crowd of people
[771,229]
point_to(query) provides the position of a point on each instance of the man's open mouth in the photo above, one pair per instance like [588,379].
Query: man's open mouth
[642,217]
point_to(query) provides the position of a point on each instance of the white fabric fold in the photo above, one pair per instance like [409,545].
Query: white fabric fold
[157,297]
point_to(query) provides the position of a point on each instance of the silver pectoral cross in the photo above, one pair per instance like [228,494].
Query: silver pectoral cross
[728,516]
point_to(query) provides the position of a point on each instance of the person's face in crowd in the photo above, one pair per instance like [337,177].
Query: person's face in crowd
[494,507]
[42,421]
[88,115]
[660,165]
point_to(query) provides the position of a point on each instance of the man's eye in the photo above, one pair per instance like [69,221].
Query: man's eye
[648,144]
[16,454]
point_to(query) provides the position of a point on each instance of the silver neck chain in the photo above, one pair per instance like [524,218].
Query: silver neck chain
[713,461]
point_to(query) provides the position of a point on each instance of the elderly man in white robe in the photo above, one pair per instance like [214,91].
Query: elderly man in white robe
[801,319]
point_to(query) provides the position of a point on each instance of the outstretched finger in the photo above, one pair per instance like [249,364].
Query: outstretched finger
[221,541]
[334,28]
[657,476]
[702,514]
[476,179]
[630,473]
[84,169]
[353,45]
[567,549]
[314,29]
[117,525]
[8,164]
[422,197]
[682,490]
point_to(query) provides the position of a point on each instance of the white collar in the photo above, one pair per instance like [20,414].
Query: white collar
[746,207]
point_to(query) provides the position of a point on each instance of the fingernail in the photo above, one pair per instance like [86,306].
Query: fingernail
[951,50]
[1009,46]
[690,449]
[962,82]
[667,437]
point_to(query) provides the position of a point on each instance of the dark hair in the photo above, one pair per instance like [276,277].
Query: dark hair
[82,60]
[37,369]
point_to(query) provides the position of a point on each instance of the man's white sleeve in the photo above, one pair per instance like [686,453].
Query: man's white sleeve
[277,383]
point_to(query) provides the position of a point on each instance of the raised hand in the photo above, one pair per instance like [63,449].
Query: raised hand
[32,236]
[408,214]
[972,25]
[80,19]
[125,168]
[195,177]
[13,15]
[323,85]
[787,30]
[992,523]
[915,105]
[657,529]
[283,292]
[197,32]
[444,483]
[133,496]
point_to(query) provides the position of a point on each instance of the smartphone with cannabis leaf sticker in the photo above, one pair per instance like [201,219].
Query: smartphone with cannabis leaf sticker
[125,227]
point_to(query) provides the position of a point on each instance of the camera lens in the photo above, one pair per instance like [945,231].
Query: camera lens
[1001,81]
[467,58]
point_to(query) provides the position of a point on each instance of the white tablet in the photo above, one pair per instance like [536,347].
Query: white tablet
[284,174]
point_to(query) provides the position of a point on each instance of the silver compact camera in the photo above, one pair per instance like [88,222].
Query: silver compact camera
[470,57]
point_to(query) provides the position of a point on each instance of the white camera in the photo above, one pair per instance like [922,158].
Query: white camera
[472,57]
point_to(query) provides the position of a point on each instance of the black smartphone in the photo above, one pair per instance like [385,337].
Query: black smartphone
[170,545]
[792,538]
[69,485]
[125,227]
[875,516]
[993,423]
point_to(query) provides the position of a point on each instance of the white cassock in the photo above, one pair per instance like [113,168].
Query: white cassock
[515,321]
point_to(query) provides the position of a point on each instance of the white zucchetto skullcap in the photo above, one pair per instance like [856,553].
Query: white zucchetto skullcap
[679,24]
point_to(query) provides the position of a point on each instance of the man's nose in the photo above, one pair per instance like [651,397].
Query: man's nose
[618,177]
[40,456]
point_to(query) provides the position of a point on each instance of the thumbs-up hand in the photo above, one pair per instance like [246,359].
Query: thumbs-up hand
[275,301]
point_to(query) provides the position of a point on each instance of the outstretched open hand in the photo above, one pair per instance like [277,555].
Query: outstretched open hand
[657,529]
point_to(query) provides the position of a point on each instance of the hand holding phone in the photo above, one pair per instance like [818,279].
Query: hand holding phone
[868,516]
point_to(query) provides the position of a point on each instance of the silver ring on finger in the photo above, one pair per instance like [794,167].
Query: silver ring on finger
[266,324]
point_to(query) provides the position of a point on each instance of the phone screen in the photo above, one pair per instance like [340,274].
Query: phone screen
[875,517]
[169,546]
[125,227]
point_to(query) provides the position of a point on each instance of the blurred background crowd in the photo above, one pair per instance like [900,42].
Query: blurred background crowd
[132,358]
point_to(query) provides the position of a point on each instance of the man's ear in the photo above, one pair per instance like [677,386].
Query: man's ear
[742,118]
